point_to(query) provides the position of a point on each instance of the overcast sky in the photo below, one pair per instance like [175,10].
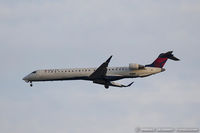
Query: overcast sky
[84,33]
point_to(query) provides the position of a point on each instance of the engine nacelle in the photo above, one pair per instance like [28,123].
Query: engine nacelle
[133,66]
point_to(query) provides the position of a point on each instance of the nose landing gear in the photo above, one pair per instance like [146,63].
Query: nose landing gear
[31,84]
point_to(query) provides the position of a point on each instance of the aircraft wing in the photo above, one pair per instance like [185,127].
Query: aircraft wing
[100,72]
[108,83]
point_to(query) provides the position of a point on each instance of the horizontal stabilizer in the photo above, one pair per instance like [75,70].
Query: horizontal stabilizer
[168,55]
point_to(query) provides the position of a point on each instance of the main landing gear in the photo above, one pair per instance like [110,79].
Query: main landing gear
[106,86]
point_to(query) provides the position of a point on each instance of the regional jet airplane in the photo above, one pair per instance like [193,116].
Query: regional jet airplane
[103,75]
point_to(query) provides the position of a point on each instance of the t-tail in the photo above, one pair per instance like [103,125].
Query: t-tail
[162,59]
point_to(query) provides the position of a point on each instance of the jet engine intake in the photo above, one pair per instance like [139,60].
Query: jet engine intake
[133,66]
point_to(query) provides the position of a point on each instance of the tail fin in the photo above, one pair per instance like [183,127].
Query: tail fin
[162,59]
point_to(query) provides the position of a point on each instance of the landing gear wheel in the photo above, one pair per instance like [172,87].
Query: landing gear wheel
[106,86]
[31,84]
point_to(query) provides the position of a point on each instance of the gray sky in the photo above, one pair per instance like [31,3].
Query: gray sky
[75,33]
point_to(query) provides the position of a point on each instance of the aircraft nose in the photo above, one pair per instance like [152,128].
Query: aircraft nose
[26,78]
[162,69]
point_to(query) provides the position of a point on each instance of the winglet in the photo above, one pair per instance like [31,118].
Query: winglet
[101,70]
[127,85]
[130,84]
[108,60]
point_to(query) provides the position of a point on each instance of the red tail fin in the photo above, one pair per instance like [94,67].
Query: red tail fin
[162,59]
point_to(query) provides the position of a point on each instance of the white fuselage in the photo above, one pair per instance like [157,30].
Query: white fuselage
[103,74]
[113,73]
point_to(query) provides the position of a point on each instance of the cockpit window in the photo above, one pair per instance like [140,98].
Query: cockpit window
[34,71]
